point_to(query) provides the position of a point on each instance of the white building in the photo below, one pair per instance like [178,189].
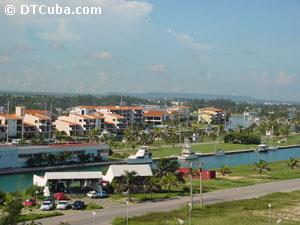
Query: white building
[14,156]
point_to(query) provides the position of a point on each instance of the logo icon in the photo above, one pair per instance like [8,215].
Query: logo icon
[10,10]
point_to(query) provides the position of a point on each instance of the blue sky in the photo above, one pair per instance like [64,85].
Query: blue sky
[193,46]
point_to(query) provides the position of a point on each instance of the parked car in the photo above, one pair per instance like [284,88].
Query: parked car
[63,205]
[50,199]
[29,202]
[15,141]
[78,205]
[61,196]
[47,205]
[95,194]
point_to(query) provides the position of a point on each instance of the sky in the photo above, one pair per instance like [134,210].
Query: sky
[233,47]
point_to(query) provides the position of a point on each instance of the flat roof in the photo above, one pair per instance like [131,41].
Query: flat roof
[73,175]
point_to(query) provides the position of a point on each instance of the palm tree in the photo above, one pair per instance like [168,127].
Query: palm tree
[261,167]
[127,183]
[168,181]
[93,135]
[165,166]
[131,137]
[225,170]
[293,163]
[151,184]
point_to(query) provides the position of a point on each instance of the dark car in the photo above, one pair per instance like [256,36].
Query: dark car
[78,205]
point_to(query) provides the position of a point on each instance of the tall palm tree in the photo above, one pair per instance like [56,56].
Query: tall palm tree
[127,183]
[165,166]
[168,181]
[151,184]
[225,170]
[261,166]
[293,163]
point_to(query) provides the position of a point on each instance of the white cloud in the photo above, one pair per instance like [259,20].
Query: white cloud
[158,68]
[188,41]
[284,79]
[5,60]
[102,55]
[61,34]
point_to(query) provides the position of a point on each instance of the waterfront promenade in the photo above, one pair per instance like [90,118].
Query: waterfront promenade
[106,216]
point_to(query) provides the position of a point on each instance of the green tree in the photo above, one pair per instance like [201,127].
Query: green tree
[168,181]
[127,183]
[93,135]
[12,212]
[293,163]
[225,170]
[171,136]
[131,137]
[33,190]
[261,166]
[165,166]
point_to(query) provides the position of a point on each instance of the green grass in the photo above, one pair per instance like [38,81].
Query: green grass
[243,212]
[245,175]
[36,216]
[92,206]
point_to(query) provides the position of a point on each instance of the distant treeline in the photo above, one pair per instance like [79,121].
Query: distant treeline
[64,101]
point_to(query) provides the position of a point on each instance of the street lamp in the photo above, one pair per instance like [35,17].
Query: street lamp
[94,217]
[36,193]
[200,184]
[127,205]
[270,206]
[190,213]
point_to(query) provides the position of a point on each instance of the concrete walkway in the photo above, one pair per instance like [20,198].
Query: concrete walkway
[105,216]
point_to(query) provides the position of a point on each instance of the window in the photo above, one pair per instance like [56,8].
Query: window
[25,156]
[36,121]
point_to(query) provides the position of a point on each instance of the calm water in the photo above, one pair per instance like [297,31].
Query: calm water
[212,162]
[21,181]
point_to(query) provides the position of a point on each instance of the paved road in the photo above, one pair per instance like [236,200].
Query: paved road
[105,216]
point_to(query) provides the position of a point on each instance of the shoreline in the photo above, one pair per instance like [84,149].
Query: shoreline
[11,171]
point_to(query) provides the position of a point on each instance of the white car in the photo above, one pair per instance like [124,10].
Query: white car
[47,205]
[63,205]
[95,194]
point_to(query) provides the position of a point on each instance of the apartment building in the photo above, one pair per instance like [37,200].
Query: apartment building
[79,124]
[155,117]
[133,115]
[211,115]
[10,126]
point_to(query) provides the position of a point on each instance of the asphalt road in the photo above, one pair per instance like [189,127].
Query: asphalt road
[105,216]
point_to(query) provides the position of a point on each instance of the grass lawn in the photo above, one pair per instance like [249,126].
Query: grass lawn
[285,208]
[246,175]
[36,216]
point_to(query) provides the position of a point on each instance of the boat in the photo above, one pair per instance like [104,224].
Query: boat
[262,148]
[142,156]
[219,152]
[187,153]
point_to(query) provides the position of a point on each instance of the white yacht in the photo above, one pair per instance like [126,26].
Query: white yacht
[262,148]
[219,152]
[142,156]
[187,152]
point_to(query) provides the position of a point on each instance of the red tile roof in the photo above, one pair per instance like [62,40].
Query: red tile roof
[154,113]
[10,116]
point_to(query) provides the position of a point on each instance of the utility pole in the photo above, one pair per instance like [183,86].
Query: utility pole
[191,184]
[7,120]
[200,184]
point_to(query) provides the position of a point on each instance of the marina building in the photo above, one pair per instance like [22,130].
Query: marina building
[16,156]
